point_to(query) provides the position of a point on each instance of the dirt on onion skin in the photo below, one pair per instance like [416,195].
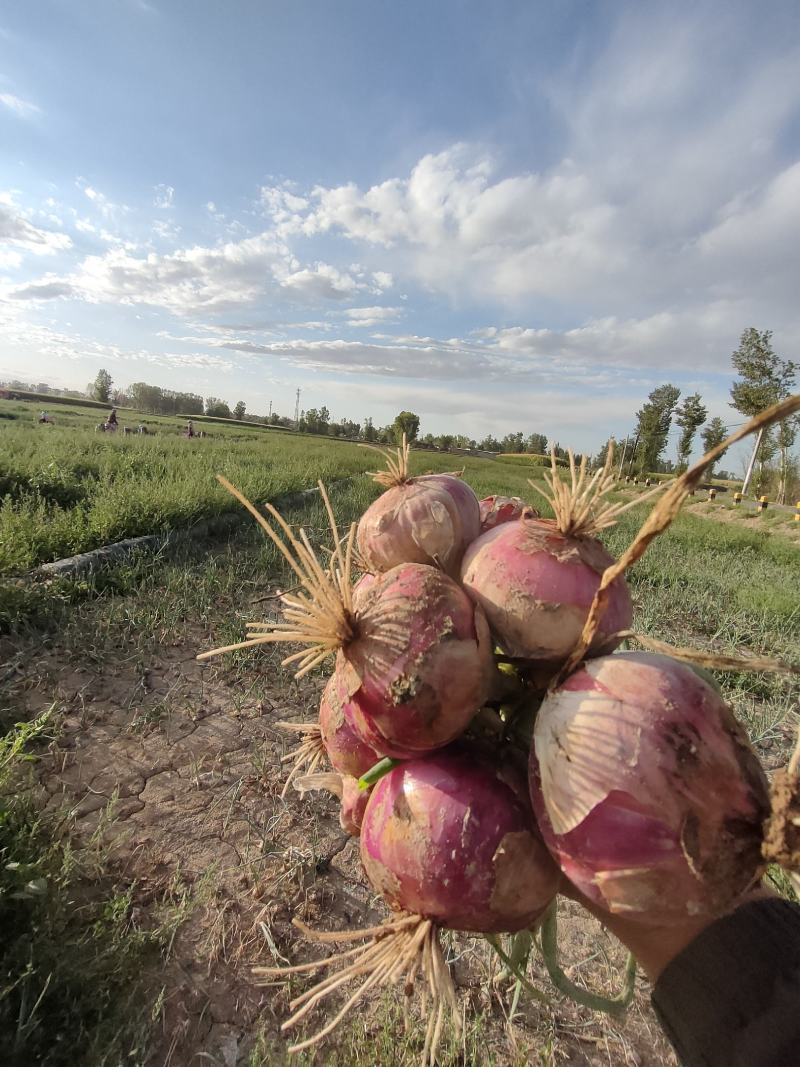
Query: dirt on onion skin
[782,829]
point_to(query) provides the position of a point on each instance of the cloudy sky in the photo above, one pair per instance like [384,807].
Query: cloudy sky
[523,214]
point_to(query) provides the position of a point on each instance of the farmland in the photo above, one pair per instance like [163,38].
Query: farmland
[156,852]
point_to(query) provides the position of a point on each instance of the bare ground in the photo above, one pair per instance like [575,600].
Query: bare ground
[176,770]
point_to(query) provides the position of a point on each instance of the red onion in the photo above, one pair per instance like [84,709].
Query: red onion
[536,585]
[430,520]
[495,510]
[361,586]
[413,649]
[646,789]
[450,839]
[421,661]
[342,727]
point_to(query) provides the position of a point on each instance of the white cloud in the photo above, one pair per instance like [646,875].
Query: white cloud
[321,282]
[107,208]
[23,108]
[48,287]
[9,259]
[371,316]
[357,357]
[382,279]
[163,195]
[17,230]
[166,231]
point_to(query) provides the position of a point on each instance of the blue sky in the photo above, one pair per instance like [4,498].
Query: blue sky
[508,215]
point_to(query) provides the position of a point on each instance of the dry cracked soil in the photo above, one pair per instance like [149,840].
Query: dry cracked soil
[175,770]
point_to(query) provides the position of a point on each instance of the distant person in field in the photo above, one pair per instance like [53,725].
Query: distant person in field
[112,418]
[189,429]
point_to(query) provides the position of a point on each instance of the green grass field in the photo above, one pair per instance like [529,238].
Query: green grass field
[83,653]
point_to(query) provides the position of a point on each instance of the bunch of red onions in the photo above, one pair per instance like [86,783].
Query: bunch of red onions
[642,789]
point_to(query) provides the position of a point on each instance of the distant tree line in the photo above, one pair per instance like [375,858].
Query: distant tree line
[763,379]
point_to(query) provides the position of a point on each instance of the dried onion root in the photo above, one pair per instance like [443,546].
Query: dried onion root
[401,949]
[579,507]
[414,651]
[308,755]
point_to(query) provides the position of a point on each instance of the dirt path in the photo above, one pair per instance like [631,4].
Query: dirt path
[173,772]
[178,770]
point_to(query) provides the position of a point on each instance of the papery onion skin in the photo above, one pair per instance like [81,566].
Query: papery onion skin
[422,663]
[495,510]
[343,732]
[446,837]
[464,497]
[430,519]
[354,801]
[361,586]
[536,586]
[646,789]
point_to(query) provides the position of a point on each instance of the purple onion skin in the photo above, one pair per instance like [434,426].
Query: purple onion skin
[344,733]
[352,806]
[495,510]
[422,663]
[446,837]
[536,586]
[465,500]
[674,825]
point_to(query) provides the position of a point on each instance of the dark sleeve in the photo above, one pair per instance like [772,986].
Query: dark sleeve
[732,997]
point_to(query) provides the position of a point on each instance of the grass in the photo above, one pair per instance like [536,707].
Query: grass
[703,584]
[74,944]
[65,489]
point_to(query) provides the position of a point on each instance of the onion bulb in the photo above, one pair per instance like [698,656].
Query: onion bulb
[646,789]
[449,838]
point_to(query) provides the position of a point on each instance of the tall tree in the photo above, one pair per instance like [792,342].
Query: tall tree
[101,389]
[218,408]
[239,409]
[536,444]
[758,368]
[690,416]
[489,444]
[406,422]
[764,379]
[714,433]
[654,420]
[513,442]
[785,438]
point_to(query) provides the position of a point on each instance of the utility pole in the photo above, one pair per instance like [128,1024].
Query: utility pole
[752,462]
[270,409]
[633,453]
[622,459]
[297,410]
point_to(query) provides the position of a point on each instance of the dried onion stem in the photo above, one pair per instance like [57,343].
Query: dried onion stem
[579,506]
[659,520]
[711,660]
[397,466]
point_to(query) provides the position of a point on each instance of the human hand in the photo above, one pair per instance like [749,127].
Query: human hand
[655,945]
